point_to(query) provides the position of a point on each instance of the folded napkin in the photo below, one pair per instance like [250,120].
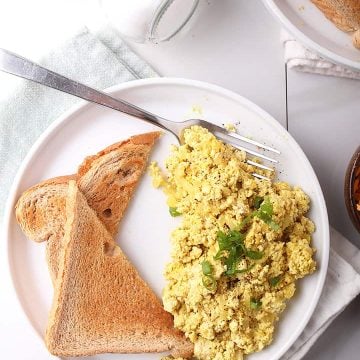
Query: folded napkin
[102,60]
[342,285]
[299,58]
[99,60]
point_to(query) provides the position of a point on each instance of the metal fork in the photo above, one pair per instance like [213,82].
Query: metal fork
[19,66]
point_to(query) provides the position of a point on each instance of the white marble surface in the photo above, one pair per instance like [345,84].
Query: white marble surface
[323,115]
[235,44]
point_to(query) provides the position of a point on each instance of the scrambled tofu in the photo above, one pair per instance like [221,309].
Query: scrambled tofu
[230,127]
[238,252]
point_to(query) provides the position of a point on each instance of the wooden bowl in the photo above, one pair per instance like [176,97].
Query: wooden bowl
[352,182]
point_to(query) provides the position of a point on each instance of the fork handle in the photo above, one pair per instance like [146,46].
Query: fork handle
[24,68]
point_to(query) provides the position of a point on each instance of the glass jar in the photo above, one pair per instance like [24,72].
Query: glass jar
[149,20]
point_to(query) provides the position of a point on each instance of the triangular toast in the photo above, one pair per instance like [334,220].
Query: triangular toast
[101,304]
[107,179]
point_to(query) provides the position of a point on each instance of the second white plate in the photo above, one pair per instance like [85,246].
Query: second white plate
[307,23]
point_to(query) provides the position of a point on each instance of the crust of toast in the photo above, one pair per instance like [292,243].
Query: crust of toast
[356,39]
[40,212]
[345,14]
[39,204]
[101,304]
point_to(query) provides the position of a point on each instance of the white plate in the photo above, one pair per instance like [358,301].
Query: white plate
[144,234]
[307,23]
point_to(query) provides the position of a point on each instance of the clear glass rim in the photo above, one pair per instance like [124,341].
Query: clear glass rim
[160,11]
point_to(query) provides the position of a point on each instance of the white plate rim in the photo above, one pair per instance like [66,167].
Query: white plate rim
[309,43]
[181,82]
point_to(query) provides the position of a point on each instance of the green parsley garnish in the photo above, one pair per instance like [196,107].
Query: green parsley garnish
[173,212]
[227,241]
[232,260]
[209,282]
[207,268]
[232,249]
[208,279]
[255,304]
[265,212]
[255,255]
[245,221]
[258,201]
[275,280]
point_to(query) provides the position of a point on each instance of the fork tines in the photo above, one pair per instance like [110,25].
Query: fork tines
[238,141]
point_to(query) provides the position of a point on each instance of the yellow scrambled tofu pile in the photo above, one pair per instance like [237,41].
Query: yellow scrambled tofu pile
[238,252]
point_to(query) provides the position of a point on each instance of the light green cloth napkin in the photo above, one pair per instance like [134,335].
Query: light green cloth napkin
[99,60]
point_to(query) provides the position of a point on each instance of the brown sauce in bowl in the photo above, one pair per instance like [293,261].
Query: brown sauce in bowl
[356,188]
[352,189]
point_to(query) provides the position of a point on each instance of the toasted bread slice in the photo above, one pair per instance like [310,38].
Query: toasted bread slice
[40,211]
[345,14]
[107,179]
[101,304]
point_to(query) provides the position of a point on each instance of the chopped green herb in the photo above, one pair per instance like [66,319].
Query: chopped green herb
[255,255]
[266,206]
[208,279]
[275,280]
[265,213]
[207,268]
[223,241]
[274,225]
[233,237]
[258,201]
[173,212]
[236,237]
[245,221]
[232,260]
[209,282]
[232,249]
[231,245]
[255,304]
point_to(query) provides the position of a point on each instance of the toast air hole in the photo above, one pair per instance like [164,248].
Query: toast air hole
[111,249]
[107,213]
